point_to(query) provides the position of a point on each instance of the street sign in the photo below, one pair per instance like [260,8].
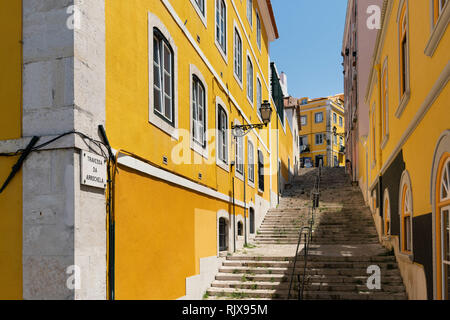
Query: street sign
[93,170]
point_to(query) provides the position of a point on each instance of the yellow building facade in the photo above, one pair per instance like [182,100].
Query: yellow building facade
[406,163]
[185,192]
[320,120]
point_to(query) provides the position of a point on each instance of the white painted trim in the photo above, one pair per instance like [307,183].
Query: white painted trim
[386,197]
[258,17]
[385,120]
[172,178]
[258,78]
[219,162]
[241,141]
[442,146]
[406,180]
[250,183]
[438,30]
[208,64]
[228,217]
[239,81]
[216,42]
[252,103]
[154,21]
[203,18]
[249,43]
[203,151]
[405,97]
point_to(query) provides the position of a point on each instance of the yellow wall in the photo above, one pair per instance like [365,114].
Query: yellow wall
[424,71]
[159,242]
[127,86]
[10,128]
[11,69]
[10,233]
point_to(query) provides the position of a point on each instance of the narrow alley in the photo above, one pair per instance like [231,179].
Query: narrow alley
[341,258]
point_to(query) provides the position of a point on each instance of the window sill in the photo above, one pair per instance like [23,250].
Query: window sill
[385,140]
[200,14]
[223,165]
[241,85]
[252,104]
[438,31]
[403,104]
[251,184]
[240,176]
[199,149]
[163,125]
[223,54]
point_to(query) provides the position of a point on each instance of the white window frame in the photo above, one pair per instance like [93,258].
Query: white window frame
[249,13]
[315,139]
[385,100]
[237,31]
[406,180]
[263,169]
[258,30]
[306,120]
[219,162]
[341,121]
[251,161]
[315,117]
[203,16]
[239,152]
[223,51]
[438,29]
[252,99]
[202,150]
[334,118]
[171,130]
[405,96]
[258,103]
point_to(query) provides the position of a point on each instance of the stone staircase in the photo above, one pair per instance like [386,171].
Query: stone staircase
[345,244]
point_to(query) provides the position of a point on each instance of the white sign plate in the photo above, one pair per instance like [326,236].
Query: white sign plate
[93,170]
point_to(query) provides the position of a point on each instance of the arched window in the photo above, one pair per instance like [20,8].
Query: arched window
[252,220]
[406,214]
[198,111]
[240,229]
[443,228]
[387,214]
[223,235]
[163,75]
[222,135]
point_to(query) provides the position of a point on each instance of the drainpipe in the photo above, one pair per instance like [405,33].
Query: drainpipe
[245,215]
[380,139]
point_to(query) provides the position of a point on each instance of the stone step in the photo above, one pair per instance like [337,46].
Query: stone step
[319,286]
[314,295]
[316,257]
[309,271]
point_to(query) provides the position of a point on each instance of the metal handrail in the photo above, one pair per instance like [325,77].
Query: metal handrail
[296,255]
[315,195]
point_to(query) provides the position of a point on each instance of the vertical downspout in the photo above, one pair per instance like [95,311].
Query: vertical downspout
[380,139]
[245,213]
[234,220]
[111,222]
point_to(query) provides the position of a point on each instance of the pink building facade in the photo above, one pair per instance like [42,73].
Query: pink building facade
[361,27]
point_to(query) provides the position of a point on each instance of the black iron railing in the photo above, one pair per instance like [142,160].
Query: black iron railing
[307,237]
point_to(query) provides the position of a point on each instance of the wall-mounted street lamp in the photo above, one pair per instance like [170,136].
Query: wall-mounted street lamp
[266,113]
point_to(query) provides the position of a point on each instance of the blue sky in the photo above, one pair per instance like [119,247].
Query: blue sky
[309,47]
